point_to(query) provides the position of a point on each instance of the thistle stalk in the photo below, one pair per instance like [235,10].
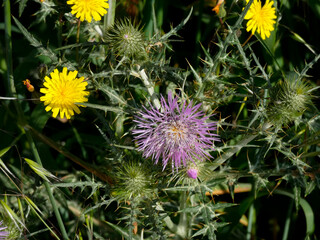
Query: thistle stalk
[108,19]
[182,228]
[150,88]
[21,120]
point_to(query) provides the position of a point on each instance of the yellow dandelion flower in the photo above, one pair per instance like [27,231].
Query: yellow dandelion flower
[63,90]
[88,9]
[261,18]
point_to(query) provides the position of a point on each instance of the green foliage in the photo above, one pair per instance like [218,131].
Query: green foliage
[263,179]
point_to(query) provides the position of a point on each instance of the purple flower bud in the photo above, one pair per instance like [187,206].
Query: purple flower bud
[192,173]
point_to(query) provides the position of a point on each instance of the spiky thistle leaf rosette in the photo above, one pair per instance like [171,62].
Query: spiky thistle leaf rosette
[178,133]
[288,100]
[124,39]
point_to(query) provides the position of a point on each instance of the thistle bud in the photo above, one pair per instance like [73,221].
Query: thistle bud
[192,173]
[126,40]
[133,182]
[288,100]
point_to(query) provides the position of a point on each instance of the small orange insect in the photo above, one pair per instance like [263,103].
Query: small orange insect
[28,85]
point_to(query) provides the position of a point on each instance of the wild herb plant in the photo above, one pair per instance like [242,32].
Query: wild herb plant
[107,134]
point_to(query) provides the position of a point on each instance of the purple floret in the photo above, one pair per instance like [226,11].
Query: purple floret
[3,234]
[178,132]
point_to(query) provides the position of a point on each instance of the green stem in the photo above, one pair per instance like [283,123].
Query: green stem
[10,80]
[288,221]
[150,87]
[78,40]
[148,19]
[7,13]
[21,118]
[60,30]
[108,19]
[250,221]
[182,229]
[198,34]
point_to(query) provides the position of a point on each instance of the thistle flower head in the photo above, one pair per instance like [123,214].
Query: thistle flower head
[288,100]
[3,233]
[88,9]
[261,19]
[62,91]
[133,182]
[125,39]
[179,133]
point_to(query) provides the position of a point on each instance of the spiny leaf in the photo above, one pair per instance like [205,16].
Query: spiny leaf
[112,94]
[99,205]
[202,231]
[22,5]
[175,30]
[82,185]
[122,231]
[104,108]
[34,42]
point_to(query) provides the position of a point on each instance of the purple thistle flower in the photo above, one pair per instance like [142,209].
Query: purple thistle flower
[176,133]
[3,234]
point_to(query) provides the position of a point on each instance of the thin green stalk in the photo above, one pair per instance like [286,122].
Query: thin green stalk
[198,34]
[21,118]
[150,87]
[78,40]
[148,19]
[60,30]
[7,13]
[47,186]
[250,221]
[182,229]
[10,81]
[288,221]
[108,19]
